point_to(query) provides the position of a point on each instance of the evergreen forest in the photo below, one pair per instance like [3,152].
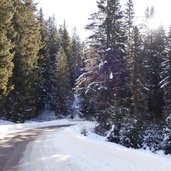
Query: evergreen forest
[121,74]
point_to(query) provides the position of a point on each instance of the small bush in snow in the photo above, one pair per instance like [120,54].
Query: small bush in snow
[84,131]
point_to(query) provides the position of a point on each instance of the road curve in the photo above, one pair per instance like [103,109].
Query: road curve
[13,146]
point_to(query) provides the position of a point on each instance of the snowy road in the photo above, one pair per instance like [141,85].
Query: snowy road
[65,149]
[42,155]
[13,146]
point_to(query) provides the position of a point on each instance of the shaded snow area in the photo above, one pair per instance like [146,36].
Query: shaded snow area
[46,115]
[76,107]
[7,127]
[67,149]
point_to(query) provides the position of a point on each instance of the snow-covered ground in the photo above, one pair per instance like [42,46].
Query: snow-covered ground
[66,149]
[7,127]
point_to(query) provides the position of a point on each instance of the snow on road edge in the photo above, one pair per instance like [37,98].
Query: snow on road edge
[67,149]
[7,127]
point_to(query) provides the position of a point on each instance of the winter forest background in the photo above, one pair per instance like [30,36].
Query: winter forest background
[122,75]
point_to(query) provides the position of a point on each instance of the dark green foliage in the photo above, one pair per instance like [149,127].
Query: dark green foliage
[110,75]
[43,62]
[76,61]
[154,51]
[129,19]
[137,80]
[50,75]
[59,69]
[66,45]
[38,65]
[85,84]
[165,83]
[123,77]
[27,44]
[66,41]
[126,81]
[6,46]
[63,84]
[165,86]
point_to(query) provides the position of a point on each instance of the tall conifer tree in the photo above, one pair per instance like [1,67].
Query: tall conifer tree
[165,83]
[27,45]
[6,46]
[109,38]
[63,84]
[76,58]
[53,45]
[43,64]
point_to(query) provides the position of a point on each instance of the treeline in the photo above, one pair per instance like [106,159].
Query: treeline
[123,77]
[126,84]
[38,62]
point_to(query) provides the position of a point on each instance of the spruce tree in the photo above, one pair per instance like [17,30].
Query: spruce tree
[43,64]
[53,45]
[63,75]
[76,58]
[27,44]
[154,52]
[6,47]
[139,99]
[88,87]
[109,38]
[66,41]
[66,44]
[129,18]
[129,29]
[165,83]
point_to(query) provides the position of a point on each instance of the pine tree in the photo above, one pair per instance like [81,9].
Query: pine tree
[93,83]
[165,86]
[86,84]
[165,83]
[109,38]
[129,18]
[66,41]
[6,47]
[43,62]
[140,106]
[99,26]
[53,45]
[53,37]
[154,50]
[63,75]
[66,44]
[27,45]
[76,58]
